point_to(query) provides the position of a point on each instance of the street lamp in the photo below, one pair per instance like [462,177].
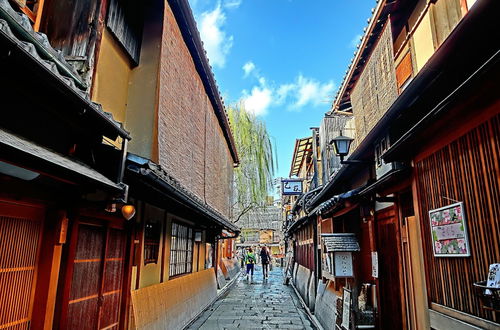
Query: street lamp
[341,145]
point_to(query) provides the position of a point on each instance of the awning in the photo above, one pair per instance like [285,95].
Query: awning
[46,161]
[156,178]
[340,242]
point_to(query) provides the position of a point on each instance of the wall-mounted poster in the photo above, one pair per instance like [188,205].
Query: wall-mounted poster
[449,231]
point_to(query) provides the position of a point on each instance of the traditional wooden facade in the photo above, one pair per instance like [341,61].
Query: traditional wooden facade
[428,139]
[67,168]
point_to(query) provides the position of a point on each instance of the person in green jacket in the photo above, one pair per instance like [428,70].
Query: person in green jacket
[250,260]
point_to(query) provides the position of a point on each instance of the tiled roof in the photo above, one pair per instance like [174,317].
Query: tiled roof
[147,167]
[331,203]
[341,242]
[51,158]
[16,27]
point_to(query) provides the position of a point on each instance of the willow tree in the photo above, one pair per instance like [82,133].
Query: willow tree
[253,177]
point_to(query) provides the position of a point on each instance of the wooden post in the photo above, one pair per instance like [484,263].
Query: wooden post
[54,237]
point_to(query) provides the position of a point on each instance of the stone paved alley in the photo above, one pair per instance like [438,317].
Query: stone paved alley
[256,304]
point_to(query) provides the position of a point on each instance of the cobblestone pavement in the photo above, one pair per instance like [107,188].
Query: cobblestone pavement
[256,304]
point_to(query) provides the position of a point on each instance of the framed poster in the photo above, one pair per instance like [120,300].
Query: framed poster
[346,309]
[449,231]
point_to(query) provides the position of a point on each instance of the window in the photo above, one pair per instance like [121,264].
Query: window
[181,250]
[125,21]
[380,148]
[151,242]
[404,71]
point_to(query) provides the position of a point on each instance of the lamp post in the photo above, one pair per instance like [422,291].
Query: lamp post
[341,145]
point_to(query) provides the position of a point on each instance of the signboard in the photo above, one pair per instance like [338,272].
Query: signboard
[375,264]
[449,231]
[346,309]
[291,187]
[343,264]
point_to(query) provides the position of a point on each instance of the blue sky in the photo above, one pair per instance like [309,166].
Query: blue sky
[283,58]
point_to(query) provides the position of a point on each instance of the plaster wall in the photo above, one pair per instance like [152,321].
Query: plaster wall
[110,85]
[143,93]
[150,273]
[422,37]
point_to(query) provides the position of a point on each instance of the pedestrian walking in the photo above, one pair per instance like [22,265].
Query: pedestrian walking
[250,261]
[265,258]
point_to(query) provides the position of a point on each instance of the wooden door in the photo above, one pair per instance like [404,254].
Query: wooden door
[391,295]
[94,281]
[413,266]
[20,235]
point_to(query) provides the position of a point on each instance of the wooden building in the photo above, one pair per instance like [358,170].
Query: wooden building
[425,151]
[70,179]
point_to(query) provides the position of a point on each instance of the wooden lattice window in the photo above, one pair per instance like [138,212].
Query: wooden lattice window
[152,236]
[181,250]
[125,21]
[20,234]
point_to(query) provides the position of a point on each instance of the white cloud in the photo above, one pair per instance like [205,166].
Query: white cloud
[248,68]
[232,4]
[295,96]
[259,100]
[311,92]
[216,41]
[355,41]
[283,91]
[304,92]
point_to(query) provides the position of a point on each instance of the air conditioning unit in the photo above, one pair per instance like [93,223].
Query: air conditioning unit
[384,168]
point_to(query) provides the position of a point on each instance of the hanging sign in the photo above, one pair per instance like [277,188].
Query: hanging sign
[449,231]
[291,187]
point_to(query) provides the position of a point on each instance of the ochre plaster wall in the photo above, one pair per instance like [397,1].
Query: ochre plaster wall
[422,37]
[143,92]
[112,77]
[150,273]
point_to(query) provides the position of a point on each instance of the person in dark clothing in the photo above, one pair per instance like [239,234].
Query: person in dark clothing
[265,257]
